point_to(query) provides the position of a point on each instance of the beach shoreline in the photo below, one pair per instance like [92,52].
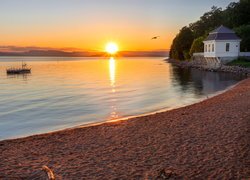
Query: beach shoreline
[207,139]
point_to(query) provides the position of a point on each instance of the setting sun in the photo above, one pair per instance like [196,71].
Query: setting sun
[111,48]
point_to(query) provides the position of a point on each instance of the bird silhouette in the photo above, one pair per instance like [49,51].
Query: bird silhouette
[155,37]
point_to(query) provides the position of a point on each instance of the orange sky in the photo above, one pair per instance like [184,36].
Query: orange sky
[127,36]
[90,24]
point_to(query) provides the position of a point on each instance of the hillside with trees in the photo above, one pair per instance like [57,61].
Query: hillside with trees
[190,38]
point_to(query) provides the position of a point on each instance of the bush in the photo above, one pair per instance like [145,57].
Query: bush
[197,46]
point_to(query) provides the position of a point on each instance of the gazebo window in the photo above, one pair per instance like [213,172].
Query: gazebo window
[227,47]
[212,47]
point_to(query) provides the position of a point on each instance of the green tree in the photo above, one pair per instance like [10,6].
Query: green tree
[181,44]
[207,22]
[244,32]
[197,45]
[237,14]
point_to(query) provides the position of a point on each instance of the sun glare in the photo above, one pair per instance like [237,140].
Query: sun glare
[111,48]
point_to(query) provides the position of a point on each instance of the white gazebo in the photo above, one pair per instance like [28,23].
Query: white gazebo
[222,44]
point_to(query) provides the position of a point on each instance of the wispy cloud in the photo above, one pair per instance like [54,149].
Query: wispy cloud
[35,48]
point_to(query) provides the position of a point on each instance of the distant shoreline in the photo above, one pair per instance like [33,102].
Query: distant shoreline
[82,56]
[210,136]
[53,53]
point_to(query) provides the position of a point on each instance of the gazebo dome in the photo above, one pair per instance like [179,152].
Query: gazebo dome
[222,33]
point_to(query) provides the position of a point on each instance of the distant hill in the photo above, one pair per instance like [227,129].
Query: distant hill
[58,53]
[52,53]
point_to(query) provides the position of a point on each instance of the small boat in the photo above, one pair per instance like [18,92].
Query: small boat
[22,70]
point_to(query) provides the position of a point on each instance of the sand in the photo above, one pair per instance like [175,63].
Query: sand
[210,139]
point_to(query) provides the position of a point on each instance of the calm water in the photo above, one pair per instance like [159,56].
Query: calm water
[65,92]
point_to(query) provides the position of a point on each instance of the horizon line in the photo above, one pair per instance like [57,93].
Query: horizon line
[13,48]
[64,52]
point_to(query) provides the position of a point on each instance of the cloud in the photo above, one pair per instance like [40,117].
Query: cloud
[35,48]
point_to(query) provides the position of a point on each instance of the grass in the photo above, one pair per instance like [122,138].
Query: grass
[242,62]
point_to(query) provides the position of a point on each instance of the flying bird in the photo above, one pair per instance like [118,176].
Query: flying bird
[155,37]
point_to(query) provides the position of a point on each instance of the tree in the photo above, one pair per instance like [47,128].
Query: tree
[197,45]
[207,22]
[181,44]
[237,14]
[244,32]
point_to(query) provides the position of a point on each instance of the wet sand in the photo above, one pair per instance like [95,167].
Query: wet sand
[209,139]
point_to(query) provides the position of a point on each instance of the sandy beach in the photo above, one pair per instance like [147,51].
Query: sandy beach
[209,139]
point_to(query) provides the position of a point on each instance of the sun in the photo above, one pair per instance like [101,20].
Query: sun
[111,48]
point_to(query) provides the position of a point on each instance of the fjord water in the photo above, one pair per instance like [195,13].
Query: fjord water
[66,92]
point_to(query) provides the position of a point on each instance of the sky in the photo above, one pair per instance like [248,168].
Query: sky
[90,24]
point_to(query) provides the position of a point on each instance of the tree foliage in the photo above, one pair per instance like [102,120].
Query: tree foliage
[207,22]
[197,45]
[181,44]
[244,32]
[235,16]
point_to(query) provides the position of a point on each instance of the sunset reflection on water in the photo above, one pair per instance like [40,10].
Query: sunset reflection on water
[112,71]
[66,92]
[112,74]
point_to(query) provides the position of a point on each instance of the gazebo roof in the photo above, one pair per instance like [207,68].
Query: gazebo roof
[222,33]
[222,29]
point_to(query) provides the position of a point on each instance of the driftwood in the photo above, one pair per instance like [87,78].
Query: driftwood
[167,175]
[49,172]
[162,174]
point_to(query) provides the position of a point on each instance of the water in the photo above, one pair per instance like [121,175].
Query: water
[66,92]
